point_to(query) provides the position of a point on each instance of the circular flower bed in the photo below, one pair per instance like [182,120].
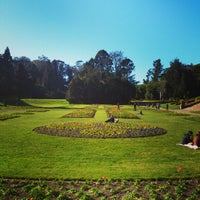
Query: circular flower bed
[100,130]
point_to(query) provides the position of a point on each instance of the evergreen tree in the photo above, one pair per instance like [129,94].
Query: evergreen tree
[6,76]
[176,82]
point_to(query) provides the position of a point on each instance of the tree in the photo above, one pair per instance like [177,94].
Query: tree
[6,76]
[99,79]
[161,87]
[154,74]
[117,57]
[148,77]
[51,79]
[97,82]
[26,74]
[7,56]
[43,58]
[193,79]
[154,87]
[103,62]
[59,73]
[151,91]
[127,67]
[140,91]
[76,90]
[22,81]
[175,76]
[157,70]
[123,67]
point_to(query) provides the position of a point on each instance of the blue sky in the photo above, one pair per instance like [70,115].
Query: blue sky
[72,30]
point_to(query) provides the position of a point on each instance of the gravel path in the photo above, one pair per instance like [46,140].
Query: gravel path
[190,110]
[194,108]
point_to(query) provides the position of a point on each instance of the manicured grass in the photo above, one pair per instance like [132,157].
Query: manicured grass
[46,102]
[26,154]
[51,103]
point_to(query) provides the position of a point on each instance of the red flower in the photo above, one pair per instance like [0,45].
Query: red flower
[179,169]
[103,177]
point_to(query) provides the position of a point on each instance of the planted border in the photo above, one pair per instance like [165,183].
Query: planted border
[6,116]
[120,113]
[81,113]
[23,189]
[100,130]
[37,110]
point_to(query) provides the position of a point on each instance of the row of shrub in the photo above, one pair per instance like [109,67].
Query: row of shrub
[102,188]
[11,115]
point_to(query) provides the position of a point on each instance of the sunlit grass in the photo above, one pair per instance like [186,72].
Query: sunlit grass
[51,103]
[25,153]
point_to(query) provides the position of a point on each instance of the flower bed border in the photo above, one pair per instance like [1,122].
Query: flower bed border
[100,130]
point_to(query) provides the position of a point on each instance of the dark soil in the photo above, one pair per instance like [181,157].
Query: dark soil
[100,189]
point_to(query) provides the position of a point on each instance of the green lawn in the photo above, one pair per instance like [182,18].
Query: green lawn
[51,103]
[26,154]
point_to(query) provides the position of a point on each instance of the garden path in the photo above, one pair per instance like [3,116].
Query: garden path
[195,107]
[100,114]
[191,110]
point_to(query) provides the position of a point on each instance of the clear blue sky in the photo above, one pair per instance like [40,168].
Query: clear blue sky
[71,30]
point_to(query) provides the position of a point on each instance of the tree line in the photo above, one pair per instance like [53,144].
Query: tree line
[23,78]
[106,78]
[178,81]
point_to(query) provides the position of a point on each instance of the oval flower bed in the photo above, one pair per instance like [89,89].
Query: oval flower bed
[100,130]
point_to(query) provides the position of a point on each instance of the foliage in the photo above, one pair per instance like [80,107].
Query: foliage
[5,116]
[154,74]
[22,78]
[106,78]
[100,130]
[120,113]
[6,76]
[176,77]
[177,81]
[97,81]
[101,81]
[20,189]
[88,112]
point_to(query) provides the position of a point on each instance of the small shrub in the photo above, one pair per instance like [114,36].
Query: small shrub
[62,196]
[37,193]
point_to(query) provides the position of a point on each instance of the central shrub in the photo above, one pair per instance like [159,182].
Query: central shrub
[100,130]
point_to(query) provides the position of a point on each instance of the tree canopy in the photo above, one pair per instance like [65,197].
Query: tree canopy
[106,78]
[23,78]
[177,81]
